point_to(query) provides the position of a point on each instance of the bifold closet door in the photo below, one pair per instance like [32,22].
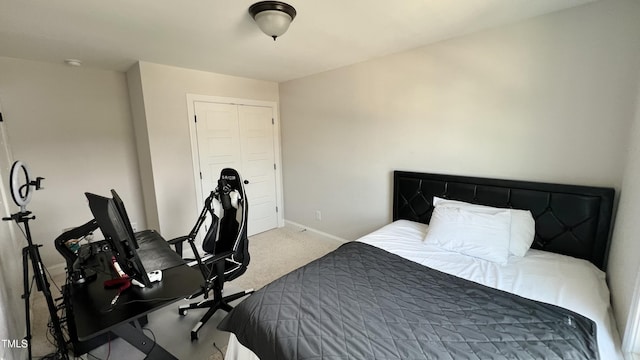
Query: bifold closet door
[240,137]
[258,166]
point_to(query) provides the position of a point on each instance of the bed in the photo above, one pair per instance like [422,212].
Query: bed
[397,294]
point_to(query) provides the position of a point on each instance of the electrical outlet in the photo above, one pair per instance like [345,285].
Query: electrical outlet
[318,215]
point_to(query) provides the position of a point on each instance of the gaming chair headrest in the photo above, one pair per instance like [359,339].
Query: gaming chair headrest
[232,178]
[228,182]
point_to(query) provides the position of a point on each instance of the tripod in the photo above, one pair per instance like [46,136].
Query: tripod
[21,196]
[31,253]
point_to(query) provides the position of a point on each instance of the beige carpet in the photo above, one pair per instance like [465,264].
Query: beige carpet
[277,252]
[273,254]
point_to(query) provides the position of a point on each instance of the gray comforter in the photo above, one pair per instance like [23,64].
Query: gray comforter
[361,302]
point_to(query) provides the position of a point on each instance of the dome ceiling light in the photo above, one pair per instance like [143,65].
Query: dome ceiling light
[272,17]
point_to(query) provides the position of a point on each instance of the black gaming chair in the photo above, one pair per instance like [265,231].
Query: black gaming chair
[225,245]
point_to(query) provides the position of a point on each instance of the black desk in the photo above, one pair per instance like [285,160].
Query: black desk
[92,314]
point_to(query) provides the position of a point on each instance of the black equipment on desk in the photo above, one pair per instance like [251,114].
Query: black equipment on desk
[91,315]
[225,244]
[78,273]
[118,233]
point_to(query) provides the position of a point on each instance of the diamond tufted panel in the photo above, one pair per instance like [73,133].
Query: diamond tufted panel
[570,219]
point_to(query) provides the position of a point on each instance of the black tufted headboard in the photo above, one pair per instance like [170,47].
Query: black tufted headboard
[570,219]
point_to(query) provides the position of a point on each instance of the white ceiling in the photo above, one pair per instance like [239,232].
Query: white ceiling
[220,36]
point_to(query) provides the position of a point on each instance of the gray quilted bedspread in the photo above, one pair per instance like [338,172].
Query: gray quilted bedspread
[361,302]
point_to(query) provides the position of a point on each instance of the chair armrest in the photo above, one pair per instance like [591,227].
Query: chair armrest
[178,242]
[218,257]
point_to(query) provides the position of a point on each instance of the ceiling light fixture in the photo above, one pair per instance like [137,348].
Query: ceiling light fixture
[272,17]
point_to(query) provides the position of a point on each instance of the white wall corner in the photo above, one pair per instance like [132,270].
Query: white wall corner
[11,323]
[631,336]
[631,356]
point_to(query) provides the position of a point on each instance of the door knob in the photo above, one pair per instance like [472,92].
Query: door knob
[246,182]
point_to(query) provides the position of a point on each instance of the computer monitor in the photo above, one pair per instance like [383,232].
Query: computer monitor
[123,214]
[122,242]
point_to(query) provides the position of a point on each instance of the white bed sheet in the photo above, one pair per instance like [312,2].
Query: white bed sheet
[564,281]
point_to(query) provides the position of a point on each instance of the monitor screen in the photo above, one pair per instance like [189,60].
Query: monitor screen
[114,229]
[125,217]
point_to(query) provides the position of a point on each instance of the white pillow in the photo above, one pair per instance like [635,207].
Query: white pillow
[523,226]
[478,234]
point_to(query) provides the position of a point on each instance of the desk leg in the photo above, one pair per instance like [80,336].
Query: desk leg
[134,335]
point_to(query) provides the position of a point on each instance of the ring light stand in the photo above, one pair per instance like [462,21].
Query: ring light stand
[21,195]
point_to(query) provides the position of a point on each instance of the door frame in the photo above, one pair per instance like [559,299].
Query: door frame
[191,113]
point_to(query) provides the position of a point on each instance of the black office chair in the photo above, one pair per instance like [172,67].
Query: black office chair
[225,245]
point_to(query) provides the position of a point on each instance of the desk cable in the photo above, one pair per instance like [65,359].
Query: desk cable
[217,348]
[122,282]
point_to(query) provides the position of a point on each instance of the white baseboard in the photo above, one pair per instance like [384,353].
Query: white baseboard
[315,231]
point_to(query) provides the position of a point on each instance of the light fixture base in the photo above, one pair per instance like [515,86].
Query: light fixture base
[272,5]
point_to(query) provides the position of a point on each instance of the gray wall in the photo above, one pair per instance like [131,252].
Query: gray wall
[73,127]
[550,99]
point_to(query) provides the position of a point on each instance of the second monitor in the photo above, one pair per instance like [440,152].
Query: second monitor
[117,231]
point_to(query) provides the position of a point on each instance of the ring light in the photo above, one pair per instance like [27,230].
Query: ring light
[21,194]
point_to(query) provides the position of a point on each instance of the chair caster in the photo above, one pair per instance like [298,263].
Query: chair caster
[194,331]
[182,312]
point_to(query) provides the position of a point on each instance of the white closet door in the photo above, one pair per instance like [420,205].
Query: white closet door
[218,142]
[258,166]
[240,137]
